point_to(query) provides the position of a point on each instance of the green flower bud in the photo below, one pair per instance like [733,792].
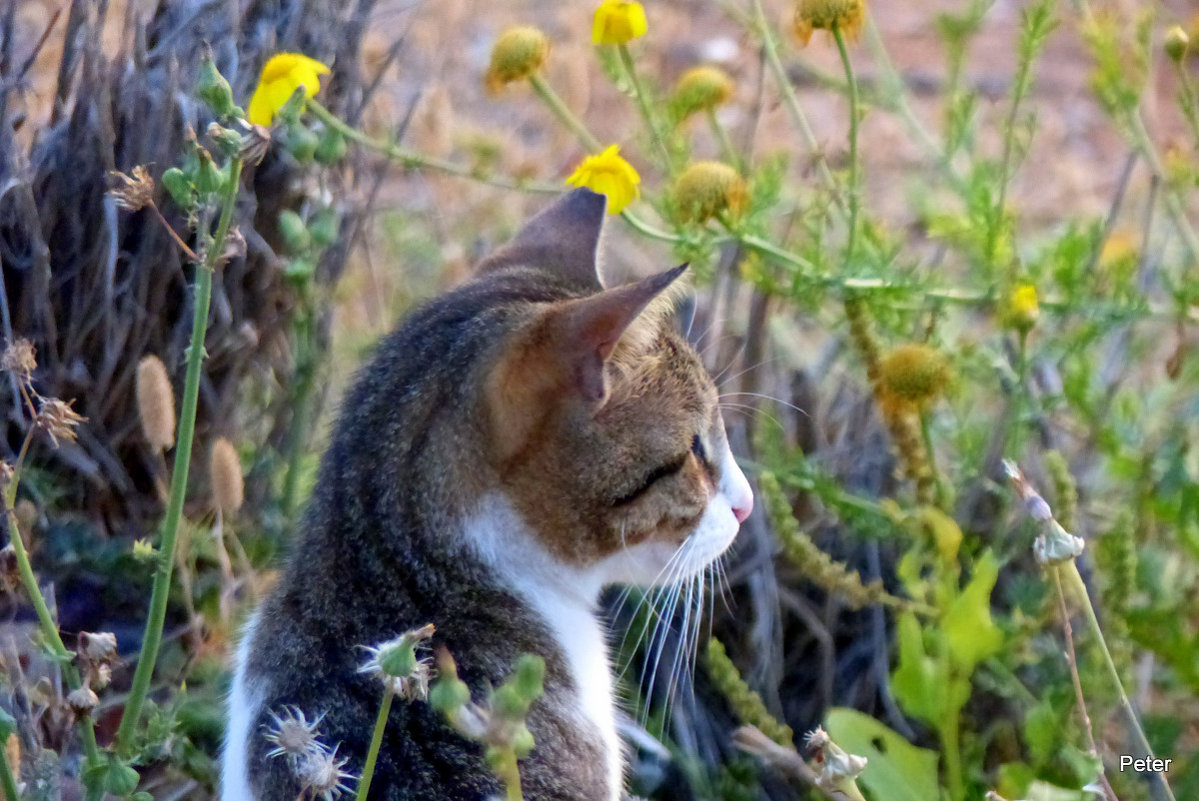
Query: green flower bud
[522,742]
[226,140]
[300,268]
[1176,44]
[301,143]
[180,188]
[508,702]
[701,89]
[213,89]
[120,780]
[399,661]
[295,234]
[209,178]
[449,695]
[324,226]
[331,148]
[528,676]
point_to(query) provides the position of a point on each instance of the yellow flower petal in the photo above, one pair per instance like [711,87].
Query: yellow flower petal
[282,74]
[608,174]
[618,21]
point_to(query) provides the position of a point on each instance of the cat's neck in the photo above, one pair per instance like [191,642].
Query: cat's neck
[564,598]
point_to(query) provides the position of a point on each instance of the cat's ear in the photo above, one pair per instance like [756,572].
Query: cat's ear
[562,358]
[588,329]
[562,239]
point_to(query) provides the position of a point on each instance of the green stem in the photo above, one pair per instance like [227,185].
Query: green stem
[1079,588]
[951,748]
[551,99]
[1187,99]
[927,436]
[410,159]
[372,755]
[1143,143]
[152,638]
[626,60]
[726,144]
[854,166]
[45,619]
[790,100]
[7,780]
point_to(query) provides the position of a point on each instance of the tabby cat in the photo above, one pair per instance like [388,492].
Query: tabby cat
[516,445]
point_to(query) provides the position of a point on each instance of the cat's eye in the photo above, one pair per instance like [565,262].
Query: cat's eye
[653,477]
[697,447]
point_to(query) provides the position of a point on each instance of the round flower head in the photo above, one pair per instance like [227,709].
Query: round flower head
[617,22]
[1176,43]
[828,15]
[707,188]
[913,374]
[701,89]
[608,174]
[281,76]
[1022,308]
[518,53]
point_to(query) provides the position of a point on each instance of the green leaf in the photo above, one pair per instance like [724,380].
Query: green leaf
[1042,731]
[896,770]
[969,631]
[917,683]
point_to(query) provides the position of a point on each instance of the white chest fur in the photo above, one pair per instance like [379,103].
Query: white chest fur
[565,598]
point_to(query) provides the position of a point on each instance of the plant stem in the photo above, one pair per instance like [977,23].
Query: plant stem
[372,755]
[1079,588]
[626,60]
[45,619]
[726,145]
[152,639]
[854,166]
[551,99]
[7,780]
[408,158]
[1174,206]
[790,100]
[1187,99]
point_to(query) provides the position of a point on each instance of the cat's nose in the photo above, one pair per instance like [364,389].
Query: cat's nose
[742,511]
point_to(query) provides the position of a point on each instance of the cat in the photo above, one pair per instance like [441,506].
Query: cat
[516,445]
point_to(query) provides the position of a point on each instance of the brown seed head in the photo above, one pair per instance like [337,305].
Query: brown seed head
[224,469]
[913,374]
[132,192]
[20,359]
[707,188]
[155,402]
[82,701]
[518,53]
[59,420]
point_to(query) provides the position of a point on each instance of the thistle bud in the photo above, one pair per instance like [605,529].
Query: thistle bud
[517,54]
[209,178]
[226,140]
[701,89]
[324,227]
[224,469]
[300,142]
[213,89]
[155,402]
[707,188]
[180,188]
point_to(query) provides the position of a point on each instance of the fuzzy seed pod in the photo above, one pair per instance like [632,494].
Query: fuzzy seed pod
[707,188]
[915,374]
[701,89]
[155,402]
[862,336]
[224,470]
[517,54]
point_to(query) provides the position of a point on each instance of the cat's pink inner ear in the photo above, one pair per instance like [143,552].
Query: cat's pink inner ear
[589,328]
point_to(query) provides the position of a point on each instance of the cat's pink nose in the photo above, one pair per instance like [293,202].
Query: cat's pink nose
[741,512]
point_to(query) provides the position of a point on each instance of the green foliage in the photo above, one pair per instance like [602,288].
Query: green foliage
[896,769]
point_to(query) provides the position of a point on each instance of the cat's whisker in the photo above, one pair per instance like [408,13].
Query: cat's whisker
[732,360]
[751,410]
[661,633]
[789,405]
[649,595]
[721,381]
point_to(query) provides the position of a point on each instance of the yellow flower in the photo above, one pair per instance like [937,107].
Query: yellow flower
[610,175]
[517,54]
[281,76]
[617,21]
[912,375]
[1022,308]
[828,15]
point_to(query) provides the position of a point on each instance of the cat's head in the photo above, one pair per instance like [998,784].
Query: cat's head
[603,426]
